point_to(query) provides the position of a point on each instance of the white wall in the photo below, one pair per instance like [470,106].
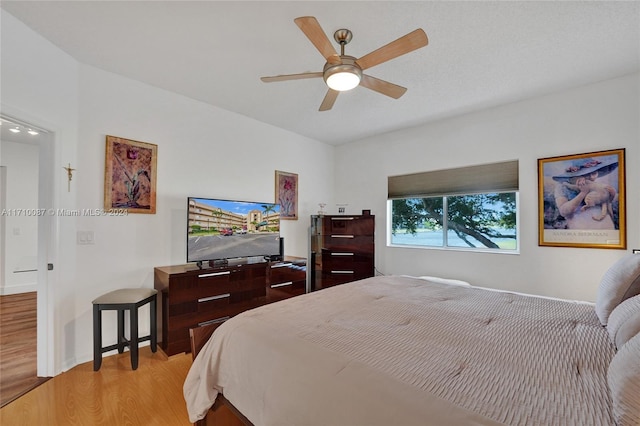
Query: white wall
[199,149]
[21,237]
[202,151]
[590,118]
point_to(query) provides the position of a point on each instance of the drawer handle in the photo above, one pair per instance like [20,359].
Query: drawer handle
[342,254]
[343,218]
[214,274]
[282,284]
[342,236]
[280,265]
[213,321]
[219,296]
[342,272]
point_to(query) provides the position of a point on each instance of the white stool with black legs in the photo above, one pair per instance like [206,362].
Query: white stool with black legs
[126,299]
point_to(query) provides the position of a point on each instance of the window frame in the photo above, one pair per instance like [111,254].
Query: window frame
[445,230]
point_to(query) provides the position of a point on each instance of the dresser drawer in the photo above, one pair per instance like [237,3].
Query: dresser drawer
[286,289]
[215,293]
[207,306]
[345,275]
[284,272]
[348,225]
[200,286]
[286,280]
[331,278]
[185,320]
[361,264]
[349,243]
[216,284]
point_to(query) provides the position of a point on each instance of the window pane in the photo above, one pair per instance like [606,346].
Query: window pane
[417,221]
[482,221]
[472,221]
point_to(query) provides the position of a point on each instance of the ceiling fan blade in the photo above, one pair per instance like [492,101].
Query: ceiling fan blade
[405,44]
[286,77]
[329,100]
[312,29]
[392,90]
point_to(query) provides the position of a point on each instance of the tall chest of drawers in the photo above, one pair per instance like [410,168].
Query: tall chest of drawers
[342,249]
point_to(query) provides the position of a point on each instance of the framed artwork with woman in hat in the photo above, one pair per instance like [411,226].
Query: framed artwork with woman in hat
[582,200]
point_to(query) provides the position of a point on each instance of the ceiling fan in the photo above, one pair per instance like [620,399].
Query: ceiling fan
[343,72]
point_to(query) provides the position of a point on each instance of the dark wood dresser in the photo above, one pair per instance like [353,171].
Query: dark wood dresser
[193,297]
[342,249]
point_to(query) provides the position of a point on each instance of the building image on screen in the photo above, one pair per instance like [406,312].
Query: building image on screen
[227,229]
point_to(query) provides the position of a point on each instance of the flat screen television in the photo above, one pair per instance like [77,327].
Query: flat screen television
[218,230]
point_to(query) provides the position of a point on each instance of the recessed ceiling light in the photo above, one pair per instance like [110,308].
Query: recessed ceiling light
[32,132]
[15,130]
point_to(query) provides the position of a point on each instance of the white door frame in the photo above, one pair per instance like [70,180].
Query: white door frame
[47,240]
[3,200]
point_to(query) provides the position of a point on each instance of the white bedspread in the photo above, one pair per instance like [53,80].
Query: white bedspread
[405,351]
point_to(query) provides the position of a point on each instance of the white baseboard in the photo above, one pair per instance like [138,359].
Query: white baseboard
[17,289]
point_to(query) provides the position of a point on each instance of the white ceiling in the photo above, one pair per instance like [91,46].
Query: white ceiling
[23,136]
[480,53]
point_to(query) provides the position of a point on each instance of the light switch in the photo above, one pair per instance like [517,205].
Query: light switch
[85,237]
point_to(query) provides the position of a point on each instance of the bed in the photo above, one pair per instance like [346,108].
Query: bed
[409,350]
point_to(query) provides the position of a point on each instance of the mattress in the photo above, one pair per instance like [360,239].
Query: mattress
[401,350]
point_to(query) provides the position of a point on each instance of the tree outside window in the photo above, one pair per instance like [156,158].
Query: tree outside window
[476,221]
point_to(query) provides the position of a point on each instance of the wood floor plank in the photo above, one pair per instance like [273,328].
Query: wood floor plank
[18,347]
[114,395]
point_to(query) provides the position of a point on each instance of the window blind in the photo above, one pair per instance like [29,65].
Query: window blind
[494,177]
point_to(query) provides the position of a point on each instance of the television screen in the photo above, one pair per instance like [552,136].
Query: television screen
[227,229]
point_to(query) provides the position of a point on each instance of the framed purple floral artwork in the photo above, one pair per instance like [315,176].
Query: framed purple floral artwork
[287,194]
[130,175]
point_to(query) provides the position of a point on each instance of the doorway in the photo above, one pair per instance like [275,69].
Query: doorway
[26,188]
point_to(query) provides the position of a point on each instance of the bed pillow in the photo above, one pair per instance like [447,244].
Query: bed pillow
[620,282]
[624,321]
[623,378]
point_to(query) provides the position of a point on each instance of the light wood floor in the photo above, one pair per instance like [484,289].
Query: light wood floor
[18,349]
[114,395]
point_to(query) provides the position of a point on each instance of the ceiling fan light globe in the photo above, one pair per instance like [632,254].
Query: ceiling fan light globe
[343,81]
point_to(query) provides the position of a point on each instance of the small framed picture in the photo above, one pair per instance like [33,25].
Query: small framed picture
[287,194]
[130,175]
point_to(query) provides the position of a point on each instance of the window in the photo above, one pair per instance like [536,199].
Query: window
[475,208]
